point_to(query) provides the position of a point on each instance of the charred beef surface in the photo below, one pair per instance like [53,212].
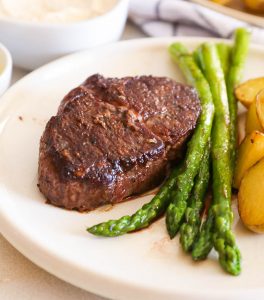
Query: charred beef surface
[113,138]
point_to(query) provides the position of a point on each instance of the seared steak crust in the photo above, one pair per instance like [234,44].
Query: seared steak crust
[113,138]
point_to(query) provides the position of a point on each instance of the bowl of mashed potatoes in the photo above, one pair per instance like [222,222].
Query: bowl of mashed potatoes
[39,31]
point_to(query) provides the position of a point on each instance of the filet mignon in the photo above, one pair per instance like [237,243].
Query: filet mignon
[113,138]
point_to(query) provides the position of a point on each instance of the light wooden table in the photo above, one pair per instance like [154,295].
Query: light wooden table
[21,279]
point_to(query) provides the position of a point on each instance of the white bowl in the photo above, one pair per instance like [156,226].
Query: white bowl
[34,44]
[5,69]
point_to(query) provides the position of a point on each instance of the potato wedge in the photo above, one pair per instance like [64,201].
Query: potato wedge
[255,5]
[221,2]
[260,107]
[249,153]
[251,198]
[252,121]
[247,91]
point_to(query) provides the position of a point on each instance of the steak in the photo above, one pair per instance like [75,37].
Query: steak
[113,138]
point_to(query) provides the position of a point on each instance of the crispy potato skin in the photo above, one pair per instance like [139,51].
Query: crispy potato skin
[249,170]
[247,91]
[260,107]
[252,121]
[251,198]
[250,152]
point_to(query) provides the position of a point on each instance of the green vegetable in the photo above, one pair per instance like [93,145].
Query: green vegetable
[197,55]
[190,228]
[141,218]
[224,242]
[204,244]
[198,142]
[238,58]
[224,52]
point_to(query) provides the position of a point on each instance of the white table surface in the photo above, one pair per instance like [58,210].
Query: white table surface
[19,277]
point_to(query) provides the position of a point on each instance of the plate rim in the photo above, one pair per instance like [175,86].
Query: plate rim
[24,244]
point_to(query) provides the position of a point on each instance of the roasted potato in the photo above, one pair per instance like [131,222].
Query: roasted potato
[255,5]
[251,198]
[249,153]
[221,2]
[260,107]
[252,121]
[247,91]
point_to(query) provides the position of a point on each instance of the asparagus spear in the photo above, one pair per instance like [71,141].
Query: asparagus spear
[223,239]
[204,243]
[197,55]
[198,142]
[238,57]
[141,218]
[224,52]
[190,228]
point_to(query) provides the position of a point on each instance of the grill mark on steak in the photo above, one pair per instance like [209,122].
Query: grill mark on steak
[113,138]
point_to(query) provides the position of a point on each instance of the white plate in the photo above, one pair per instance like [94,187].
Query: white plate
[235,13]
[143,265]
